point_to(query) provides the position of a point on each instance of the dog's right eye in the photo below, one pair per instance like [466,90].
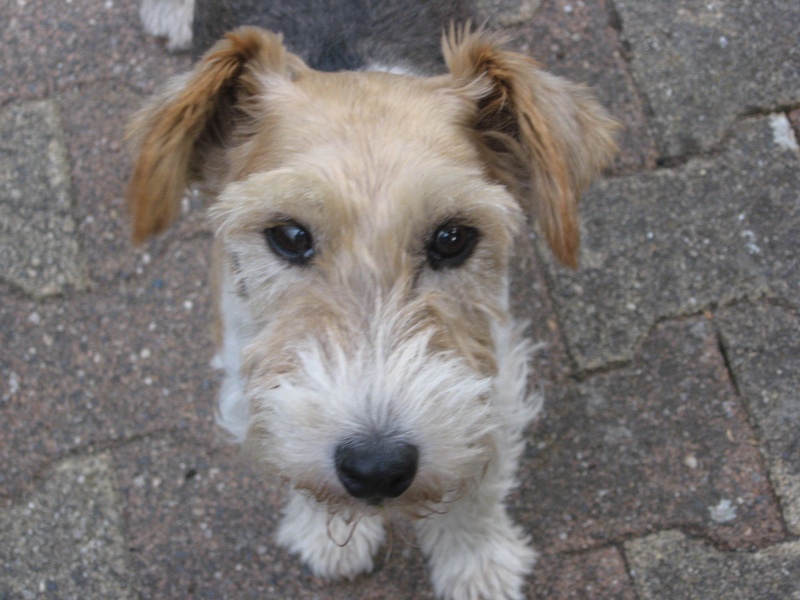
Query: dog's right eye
[291,242]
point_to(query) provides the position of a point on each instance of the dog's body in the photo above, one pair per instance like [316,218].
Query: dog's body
[364,223]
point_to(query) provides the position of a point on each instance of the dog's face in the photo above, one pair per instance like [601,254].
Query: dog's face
[365,223]
[371,253]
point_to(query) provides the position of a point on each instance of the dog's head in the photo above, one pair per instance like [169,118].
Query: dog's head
[367,220]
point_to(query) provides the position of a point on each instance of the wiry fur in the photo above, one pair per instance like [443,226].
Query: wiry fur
[537,124]
[368,339]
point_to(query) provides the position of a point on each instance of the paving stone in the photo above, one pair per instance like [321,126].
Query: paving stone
[595,574]
[217,517]
[504,13]
[118,363]
[39,247]
[47,46]
[94,118]
[763,348]
[702,64]
[677,241]
[578,40]
[650,446]
[65,540]
[671,565]
[216,521]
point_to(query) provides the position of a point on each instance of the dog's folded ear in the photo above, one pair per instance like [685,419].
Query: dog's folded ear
[182,131]
[542,135]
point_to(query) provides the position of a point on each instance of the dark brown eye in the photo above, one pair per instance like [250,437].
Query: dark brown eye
[451,245]
[291,242]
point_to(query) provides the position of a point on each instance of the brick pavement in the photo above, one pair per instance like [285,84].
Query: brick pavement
[667,461]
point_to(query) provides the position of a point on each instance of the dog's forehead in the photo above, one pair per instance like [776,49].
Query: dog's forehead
[370,113]
[376,148]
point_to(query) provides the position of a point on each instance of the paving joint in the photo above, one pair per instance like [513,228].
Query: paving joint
[705,313]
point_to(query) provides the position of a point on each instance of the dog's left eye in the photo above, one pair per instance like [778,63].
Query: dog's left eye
[291,242]
[451,245]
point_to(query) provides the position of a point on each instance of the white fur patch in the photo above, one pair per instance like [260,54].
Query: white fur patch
[330,544]
[233,413]
[393,69]
[171,19]
[431,400]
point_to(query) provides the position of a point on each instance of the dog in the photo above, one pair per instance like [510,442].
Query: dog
[365,208]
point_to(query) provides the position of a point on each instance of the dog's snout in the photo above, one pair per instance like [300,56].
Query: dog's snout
[376,468]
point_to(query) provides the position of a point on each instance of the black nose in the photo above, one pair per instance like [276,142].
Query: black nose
[376,468]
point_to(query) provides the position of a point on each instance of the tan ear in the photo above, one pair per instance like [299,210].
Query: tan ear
[179,131]
[542,134]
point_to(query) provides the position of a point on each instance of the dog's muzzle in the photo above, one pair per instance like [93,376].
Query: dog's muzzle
[376,468]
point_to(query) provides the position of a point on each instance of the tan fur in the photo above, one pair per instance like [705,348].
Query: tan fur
[170,133]
[531,123]
[552,129]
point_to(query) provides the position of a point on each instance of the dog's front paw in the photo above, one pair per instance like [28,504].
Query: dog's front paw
[330,545]
[492,567]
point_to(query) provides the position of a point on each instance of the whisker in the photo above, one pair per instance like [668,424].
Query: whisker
[348,522]
[389,540]
[430,509]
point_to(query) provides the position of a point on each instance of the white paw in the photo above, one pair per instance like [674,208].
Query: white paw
[330,546]
[491,569]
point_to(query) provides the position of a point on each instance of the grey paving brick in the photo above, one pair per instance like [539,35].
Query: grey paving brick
[671,565]
[676,241]
[503,13]
[101,367]
[701,64]
[763,345]
[48,46]
[39,246]
[578,40]
[661,442]
[65,541]
[94,119]
[215,539]
[595,574]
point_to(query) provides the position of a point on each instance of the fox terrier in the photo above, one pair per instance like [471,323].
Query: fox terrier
[365,208]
